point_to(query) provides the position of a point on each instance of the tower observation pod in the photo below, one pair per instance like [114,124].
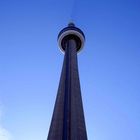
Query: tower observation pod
[68,122]
[71,33]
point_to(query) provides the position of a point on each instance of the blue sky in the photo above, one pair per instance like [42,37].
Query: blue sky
[109,66]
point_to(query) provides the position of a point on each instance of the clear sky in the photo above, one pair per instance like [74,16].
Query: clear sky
[109,66]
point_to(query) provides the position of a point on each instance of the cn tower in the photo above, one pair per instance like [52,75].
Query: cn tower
[68,122]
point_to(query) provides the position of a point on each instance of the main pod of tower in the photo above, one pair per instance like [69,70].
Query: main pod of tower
[68,122]
[71,33]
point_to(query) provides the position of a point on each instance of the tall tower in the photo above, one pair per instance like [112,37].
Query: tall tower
[68,121]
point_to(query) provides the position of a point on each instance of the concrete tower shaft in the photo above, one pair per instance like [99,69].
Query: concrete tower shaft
[68,121]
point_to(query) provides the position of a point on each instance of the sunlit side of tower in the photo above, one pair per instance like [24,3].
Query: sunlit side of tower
[68,121]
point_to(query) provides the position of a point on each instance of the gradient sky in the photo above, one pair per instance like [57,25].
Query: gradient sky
[109,66]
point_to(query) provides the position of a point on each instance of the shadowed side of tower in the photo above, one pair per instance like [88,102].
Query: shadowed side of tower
[68,121]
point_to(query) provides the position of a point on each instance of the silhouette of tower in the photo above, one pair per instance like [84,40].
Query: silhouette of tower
[68,121]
